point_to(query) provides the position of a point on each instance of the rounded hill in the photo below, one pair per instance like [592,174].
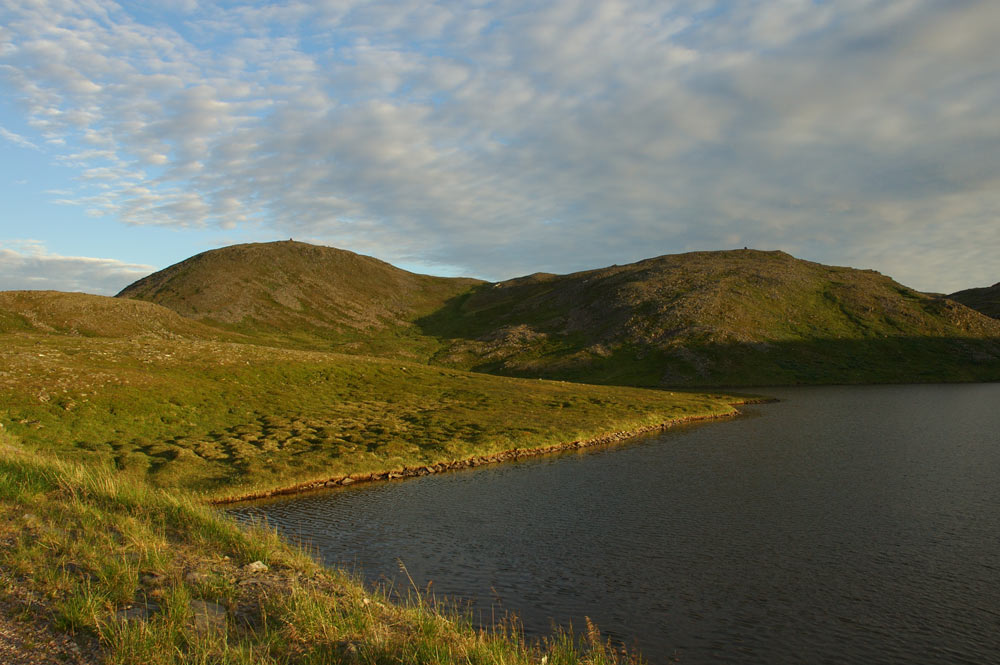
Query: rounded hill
[296,290]
[739,316]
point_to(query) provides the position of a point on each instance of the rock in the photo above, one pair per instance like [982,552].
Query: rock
[138,611]
[256,567]
[346,481]
[207,616]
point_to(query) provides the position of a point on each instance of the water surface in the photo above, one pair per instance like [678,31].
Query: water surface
[841,525]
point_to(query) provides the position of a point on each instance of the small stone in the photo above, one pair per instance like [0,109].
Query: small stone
[207,616]
[256,567]
[346,481]
[138,612]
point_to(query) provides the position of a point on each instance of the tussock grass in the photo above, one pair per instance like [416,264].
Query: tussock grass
[134,565]
[228,419]
[114,434]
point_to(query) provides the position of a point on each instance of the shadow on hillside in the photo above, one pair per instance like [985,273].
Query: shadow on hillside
[469,343]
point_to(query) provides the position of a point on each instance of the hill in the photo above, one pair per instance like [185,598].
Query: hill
[86,315]
[738,317]
[741,317]
[294,293]
[120,418]
[985,299]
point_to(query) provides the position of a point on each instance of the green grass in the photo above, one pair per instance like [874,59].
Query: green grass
[120,421]
[101,554]
[229,419]
[111,448]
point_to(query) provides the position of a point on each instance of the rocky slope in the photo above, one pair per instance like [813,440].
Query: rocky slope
[740,317]
[985,299]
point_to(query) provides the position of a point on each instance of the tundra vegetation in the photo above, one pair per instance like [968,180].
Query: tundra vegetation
[254,368]
[122,421]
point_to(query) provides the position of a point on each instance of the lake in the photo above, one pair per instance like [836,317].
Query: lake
[840,525]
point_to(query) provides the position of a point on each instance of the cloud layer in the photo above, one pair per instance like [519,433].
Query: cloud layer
[27,265]
[509,136]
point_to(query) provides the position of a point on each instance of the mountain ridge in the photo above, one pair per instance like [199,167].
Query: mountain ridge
[730,317]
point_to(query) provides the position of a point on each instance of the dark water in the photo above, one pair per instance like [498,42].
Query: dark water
[842,525]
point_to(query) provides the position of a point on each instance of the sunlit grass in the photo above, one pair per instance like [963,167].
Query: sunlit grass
[228,419]
[134,566]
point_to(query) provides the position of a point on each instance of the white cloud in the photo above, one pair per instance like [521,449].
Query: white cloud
[26,264]
[511,136]
[17,139]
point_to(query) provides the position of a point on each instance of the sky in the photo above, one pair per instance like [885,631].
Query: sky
[496,139]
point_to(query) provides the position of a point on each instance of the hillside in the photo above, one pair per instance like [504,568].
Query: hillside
[85,315]
[294,293]
[730,317]
[120,419]
[985,299]
[742,317]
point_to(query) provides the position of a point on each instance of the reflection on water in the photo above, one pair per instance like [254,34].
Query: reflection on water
[844,524]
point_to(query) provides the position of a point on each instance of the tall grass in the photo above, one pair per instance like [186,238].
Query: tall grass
[109,556]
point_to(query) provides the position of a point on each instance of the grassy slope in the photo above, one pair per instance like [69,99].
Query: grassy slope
[305,296]
[162,413]
[227,418]
[162,580]
[985,299]
[740,317]
[85,315]
[733,318]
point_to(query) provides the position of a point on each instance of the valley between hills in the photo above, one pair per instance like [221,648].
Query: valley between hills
[256,369]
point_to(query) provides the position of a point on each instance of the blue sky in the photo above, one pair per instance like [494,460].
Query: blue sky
[495,139]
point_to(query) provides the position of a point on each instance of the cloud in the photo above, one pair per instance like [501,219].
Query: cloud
[510,137]
[26,264]
[17,139]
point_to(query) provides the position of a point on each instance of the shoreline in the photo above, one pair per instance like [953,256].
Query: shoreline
[508,455]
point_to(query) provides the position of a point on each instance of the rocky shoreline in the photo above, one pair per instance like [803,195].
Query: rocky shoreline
[478,460]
